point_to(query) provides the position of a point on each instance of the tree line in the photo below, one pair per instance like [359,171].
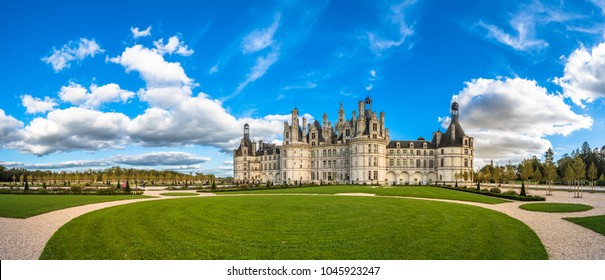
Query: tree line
[585,166]
[109,176]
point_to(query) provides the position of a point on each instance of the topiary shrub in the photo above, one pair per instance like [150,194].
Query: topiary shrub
[523,189]
[494,190]
[511,192]
[76,189]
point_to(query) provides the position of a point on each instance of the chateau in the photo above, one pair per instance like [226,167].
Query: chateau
[354,151]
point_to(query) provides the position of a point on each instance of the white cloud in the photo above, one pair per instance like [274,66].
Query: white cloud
[36,105]
[174,45]
[72,129]
[9,128]
[228,162]
[584,75]
[78,95]
[397,16]
[260,38]
[152,67]
[510,118]
[57,165]
[160,158]
[257,71]
[60,59]
[136,33]
[525,38]
[213,69]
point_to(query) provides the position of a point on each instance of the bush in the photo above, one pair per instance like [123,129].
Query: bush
[76,189]
[510,192]
[523,189]
[42,191]
[495,190]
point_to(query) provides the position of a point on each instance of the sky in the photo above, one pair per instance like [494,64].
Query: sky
[151,84]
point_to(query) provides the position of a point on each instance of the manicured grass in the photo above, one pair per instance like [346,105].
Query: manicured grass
[555,207]
[410,191]
[595,223]
[179,194]
[294,227]
[27,205]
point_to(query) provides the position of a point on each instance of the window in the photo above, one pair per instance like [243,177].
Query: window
[398,145]
[374,127]
[287,135]
[375,149]
[442,151]
[466,151]
[370,175]
[375,161]
[375,175]
[465,162]
[465,142]
[391,152]
[431,152]
[347,132]
[417,152]
[391,162]
[431,164]
[417,163]
[370,161]
[313,136]
[369,148]
[405,163]
[441,162]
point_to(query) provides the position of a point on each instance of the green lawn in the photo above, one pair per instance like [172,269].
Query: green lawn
[179,194]
[595,223]
[409,191]
[555,207]
[27,205]
[294,227]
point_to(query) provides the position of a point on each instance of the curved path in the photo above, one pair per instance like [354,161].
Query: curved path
[26,238]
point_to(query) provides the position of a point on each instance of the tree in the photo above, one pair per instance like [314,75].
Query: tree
[487,176]
[497,174]
[550,172]
[127,188]
[592,175]
[526,170]
[548,155]
[537,175]
[26,185]
[579,169]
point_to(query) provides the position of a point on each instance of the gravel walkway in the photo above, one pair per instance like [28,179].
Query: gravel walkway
[25,238]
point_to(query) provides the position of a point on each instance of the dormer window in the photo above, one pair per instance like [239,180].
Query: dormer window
[411,145]
[398,145]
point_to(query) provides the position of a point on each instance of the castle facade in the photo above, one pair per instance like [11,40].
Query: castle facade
[355,151]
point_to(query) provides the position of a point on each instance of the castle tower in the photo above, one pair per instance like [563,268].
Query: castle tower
[455,151]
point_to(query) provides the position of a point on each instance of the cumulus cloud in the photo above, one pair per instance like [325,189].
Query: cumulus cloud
[152,67]
[260,38]
[174,45]
[584,75]
[36,105]
[72,129]
[160,158]
[397,17]
[9,128]
[78,95]
[61,59]
[510,118]
[136,33]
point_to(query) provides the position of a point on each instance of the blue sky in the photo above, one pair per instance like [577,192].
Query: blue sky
[148,84]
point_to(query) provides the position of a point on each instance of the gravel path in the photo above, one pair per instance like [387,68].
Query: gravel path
[25,238]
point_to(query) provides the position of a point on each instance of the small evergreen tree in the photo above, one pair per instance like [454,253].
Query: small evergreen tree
[522,189]
[26,184]
[213,186]
[118,185]
[456,184]
[127,188]
[478,186]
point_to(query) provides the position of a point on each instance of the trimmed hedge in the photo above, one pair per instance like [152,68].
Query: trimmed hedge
[506,195]
[71,191]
